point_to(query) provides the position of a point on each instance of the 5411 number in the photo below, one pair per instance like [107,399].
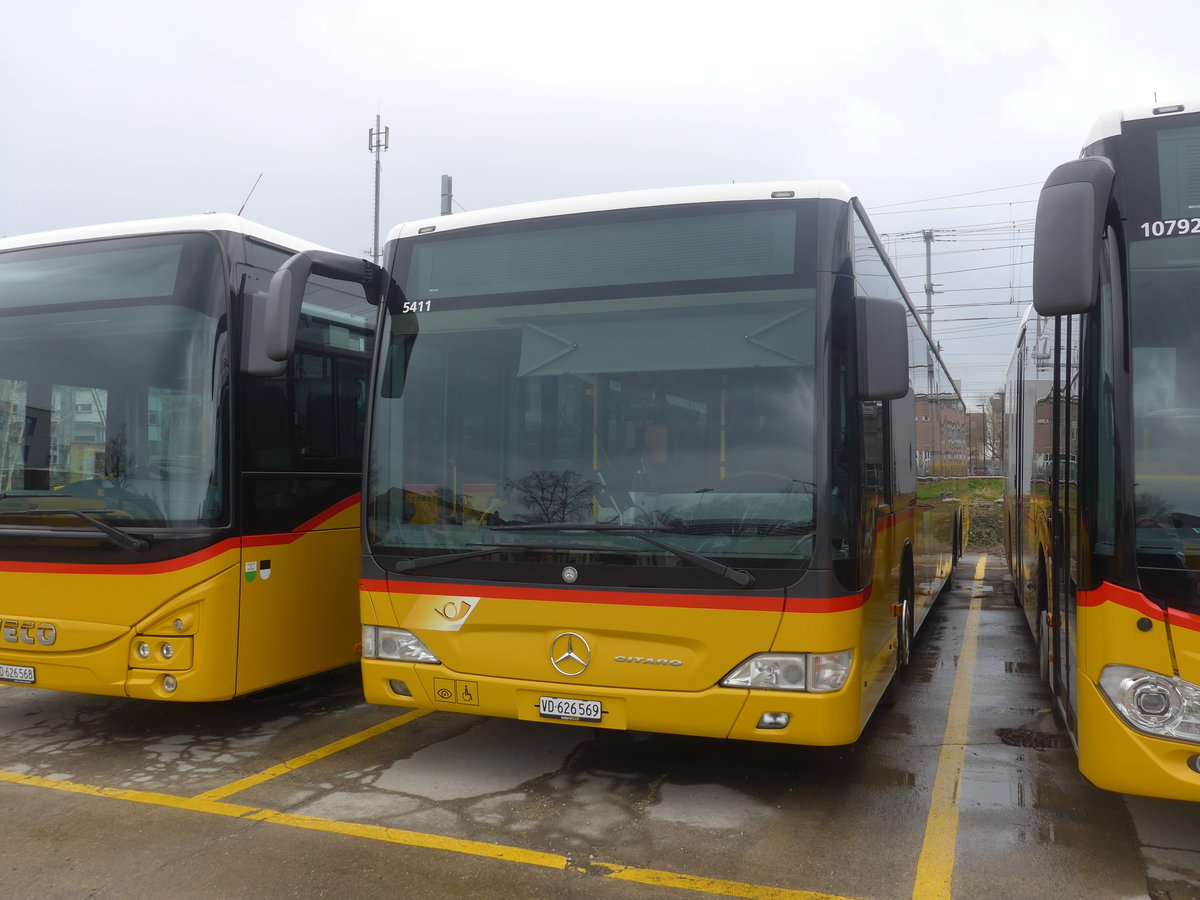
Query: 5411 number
[416,306]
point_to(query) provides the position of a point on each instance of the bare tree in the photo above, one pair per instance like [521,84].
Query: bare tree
[554,496]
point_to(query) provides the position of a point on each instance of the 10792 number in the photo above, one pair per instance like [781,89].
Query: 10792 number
[1169,227]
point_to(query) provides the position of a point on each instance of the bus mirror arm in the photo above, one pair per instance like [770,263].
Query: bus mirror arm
[882,348]
[285,295]
[1068,233]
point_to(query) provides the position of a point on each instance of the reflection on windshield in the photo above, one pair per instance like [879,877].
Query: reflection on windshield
[691,416]
[1166,399]
[109,409]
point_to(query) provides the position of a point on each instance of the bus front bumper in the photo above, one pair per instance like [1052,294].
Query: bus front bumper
[785,717]
[1115,757]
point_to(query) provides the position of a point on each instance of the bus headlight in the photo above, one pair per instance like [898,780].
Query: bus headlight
[396,644]
[1152,703]
[813,672]
[828,671]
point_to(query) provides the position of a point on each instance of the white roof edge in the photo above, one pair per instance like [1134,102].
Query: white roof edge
[625,200]
[203,222]
[1109,123]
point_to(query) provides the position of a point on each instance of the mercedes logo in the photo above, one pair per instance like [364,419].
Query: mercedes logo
[570,574]
[570,654]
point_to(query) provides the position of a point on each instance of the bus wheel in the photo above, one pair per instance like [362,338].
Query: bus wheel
[904,623]
[1045,654]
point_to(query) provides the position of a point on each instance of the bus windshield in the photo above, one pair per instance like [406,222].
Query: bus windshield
[112,360]
[649,370]
[1164,260]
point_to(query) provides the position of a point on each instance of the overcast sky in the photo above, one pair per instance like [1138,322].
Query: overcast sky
[125,110]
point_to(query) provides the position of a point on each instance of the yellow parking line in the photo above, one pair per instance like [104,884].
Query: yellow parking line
[499,852]
[152,798]
[415,839]
[935,867]
[291,765]
[718,886]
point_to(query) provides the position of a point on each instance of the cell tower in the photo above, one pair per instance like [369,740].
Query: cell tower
[377,142]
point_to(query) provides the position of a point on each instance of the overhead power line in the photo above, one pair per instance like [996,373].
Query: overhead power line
[966,194]
[899,212]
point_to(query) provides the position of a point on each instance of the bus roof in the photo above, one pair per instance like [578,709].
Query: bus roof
[207,222]
[1109,124]
[626,200]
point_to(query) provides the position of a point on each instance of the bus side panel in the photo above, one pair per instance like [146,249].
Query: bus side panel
[1034,524]
[877,646]
[299,601]
[1108,632]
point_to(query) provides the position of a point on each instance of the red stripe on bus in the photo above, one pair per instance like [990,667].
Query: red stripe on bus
[621,598]
[154,568]
[1180,619]
[824,604]
[1119,596]
[182,562]
[892,519]
[282,540]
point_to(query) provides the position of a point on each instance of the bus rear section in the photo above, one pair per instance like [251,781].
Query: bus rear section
[159,537]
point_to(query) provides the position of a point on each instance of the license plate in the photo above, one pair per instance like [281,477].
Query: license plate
[564,708]
[17,674]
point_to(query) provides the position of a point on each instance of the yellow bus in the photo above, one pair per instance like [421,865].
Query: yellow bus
[655,461]
[180,460]
[1102,417]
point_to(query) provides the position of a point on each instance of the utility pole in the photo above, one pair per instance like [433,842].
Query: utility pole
[447,194]
[377,142]
[928,235]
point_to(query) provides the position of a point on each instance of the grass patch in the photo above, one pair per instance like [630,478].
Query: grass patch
[985,488]
[987,520]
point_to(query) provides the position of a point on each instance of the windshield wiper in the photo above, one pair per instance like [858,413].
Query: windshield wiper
[115,535]
[411,564]
[421,562]
[740,577]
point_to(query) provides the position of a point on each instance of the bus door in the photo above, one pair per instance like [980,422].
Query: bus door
[1065,504]
[301,463]
[1016,453]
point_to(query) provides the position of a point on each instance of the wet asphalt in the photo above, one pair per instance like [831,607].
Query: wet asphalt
[305,790]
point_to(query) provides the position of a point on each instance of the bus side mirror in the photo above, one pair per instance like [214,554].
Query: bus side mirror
[1067,236]
[882,348]
[255,360]
[272,321]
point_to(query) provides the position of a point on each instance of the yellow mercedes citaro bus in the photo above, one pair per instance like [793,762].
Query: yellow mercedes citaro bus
[672,461]
[180,460]
[1102,410]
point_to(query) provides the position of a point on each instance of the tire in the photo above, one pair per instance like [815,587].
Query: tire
[904,622]
[1045,653]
